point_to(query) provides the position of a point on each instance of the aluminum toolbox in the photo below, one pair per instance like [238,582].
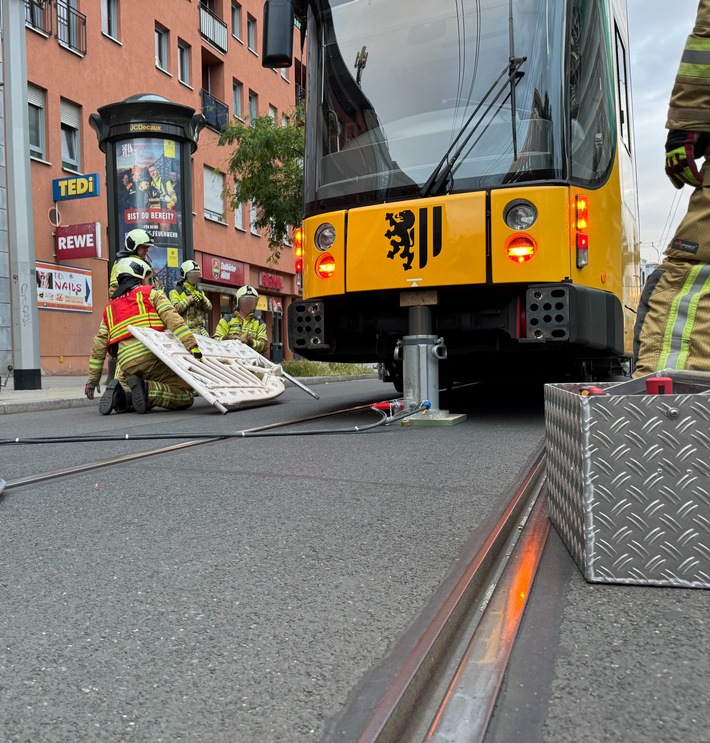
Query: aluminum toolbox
[629,479]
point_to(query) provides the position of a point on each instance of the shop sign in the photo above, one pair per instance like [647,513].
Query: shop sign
[271,281]
[74,241]
[222,270]
[66,288]
[77,187]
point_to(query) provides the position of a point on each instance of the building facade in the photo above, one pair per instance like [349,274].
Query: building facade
[85,54]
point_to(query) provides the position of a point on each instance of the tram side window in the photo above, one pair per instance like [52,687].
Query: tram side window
[622,77]
[592,131]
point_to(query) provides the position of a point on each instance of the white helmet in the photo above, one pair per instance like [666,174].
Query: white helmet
[188,267]
[246,291]
[133,266]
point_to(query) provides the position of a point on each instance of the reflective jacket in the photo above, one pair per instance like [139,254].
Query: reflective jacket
[237,326]
[690,101]
[193,312]
[143,306]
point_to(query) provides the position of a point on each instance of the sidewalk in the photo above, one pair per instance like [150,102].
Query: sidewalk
[58,393]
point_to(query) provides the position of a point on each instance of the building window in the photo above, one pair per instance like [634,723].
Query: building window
[251,33]
[214,195]
[109,18]
[161,48]
[238,211]
[237,93]
[622,77]
[273,112]
[284,120]
[70,116]
[184,54]
[253,106]
[237,21]
[284,73]
[35,101]
[252,220]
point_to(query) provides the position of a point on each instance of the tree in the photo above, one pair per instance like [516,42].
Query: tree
[267,165]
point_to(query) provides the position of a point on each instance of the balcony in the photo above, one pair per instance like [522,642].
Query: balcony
[216,112]
[71,27]
[213,28]
[38,15]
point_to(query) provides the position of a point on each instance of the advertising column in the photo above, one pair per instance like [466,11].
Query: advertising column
[148,141]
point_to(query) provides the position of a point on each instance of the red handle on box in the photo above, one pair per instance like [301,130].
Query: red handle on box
[659,386]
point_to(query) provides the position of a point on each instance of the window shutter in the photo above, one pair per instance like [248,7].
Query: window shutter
[35,96]
[70,114]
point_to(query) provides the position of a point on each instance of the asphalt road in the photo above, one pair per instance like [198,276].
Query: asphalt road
[234,591]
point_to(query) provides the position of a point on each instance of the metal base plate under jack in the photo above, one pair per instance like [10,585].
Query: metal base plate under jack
[228,377]
[434,418]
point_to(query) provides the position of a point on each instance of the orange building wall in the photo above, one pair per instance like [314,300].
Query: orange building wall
[111,71]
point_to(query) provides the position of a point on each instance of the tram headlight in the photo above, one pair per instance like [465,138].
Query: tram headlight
[520,215]
[325,237]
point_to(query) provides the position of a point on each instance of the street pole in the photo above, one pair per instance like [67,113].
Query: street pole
[23,282]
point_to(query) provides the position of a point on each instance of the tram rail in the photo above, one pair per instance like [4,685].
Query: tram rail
[442,680]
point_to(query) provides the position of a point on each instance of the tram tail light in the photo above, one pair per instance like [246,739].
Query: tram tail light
[325,266]
[520,248]
[581,225]
[298,248]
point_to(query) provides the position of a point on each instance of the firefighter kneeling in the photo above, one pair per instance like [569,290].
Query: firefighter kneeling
[143,381]
[244,326]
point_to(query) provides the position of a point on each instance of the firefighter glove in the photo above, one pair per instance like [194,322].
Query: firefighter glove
[89,389]
[682,149]
[246,338]
[195,351]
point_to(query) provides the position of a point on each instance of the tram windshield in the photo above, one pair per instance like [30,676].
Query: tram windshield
[393,82]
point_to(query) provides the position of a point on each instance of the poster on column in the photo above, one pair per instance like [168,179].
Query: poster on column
[65,288]
[149,197]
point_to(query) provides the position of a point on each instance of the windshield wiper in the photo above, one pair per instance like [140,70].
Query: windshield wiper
[439,177]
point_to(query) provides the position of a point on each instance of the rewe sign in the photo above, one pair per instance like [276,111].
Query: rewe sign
[75,241]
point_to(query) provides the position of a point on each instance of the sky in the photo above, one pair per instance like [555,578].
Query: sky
[657,29]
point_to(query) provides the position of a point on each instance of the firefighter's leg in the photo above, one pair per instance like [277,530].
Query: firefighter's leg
[110,369]
[673,326]
[165,389]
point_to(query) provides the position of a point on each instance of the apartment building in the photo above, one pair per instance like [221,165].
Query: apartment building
[84,54]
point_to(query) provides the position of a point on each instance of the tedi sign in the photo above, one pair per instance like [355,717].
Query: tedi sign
[75,241]
[78,187]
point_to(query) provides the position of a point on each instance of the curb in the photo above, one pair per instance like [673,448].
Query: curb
[81,402]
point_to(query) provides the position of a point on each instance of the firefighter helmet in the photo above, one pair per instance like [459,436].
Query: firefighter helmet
[188,267]
[133,266]
[246,291]
[136,238]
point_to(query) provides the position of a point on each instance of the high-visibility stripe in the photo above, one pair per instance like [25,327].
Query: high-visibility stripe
[698,43]
[691,56]
[694,70]
[680,322]
[690,324]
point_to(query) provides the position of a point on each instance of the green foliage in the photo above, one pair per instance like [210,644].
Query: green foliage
[267,163]
[304,368]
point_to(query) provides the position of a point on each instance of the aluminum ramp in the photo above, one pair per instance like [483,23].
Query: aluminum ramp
[231,376]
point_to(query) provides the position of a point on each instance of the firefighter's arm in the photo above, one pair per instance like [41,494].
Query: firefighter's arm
[260,341]
[98,355]
[180,301]
[222,329]
[206,304]
[169,315]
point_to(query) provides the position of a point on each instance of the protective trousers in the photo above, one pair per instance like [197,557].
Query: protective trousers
[673,321]
[165,388]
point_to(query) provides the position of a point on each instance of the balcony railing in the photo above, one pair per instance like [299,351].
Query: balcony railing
[71,27]
[38,15]
[213,28]
[215,112]
[300,94]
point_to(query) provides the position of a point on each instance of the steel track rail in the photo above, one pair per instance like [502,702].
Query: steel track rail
[438,683]
[125,458]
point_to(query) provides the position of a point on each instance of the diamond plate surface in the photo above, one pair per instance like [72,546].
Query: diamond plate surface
[629,484]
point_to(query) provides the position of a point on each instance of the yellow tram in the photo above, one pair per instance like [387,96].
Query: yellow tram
[475,156]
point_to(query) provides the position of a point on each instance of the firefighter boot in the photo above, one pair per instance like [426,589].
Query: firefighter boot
[139,394]
[114,398]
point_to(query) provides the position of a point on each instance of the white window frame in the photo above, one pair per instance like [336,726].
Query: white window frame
[184,62]
[284,73]
[238,212]
[36,99]
[237,15]
[161,47]
[109,19]
[213,194]
[70,118]
[237,98]
[273,112]
[251,34]
[253,114]
[252,220]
